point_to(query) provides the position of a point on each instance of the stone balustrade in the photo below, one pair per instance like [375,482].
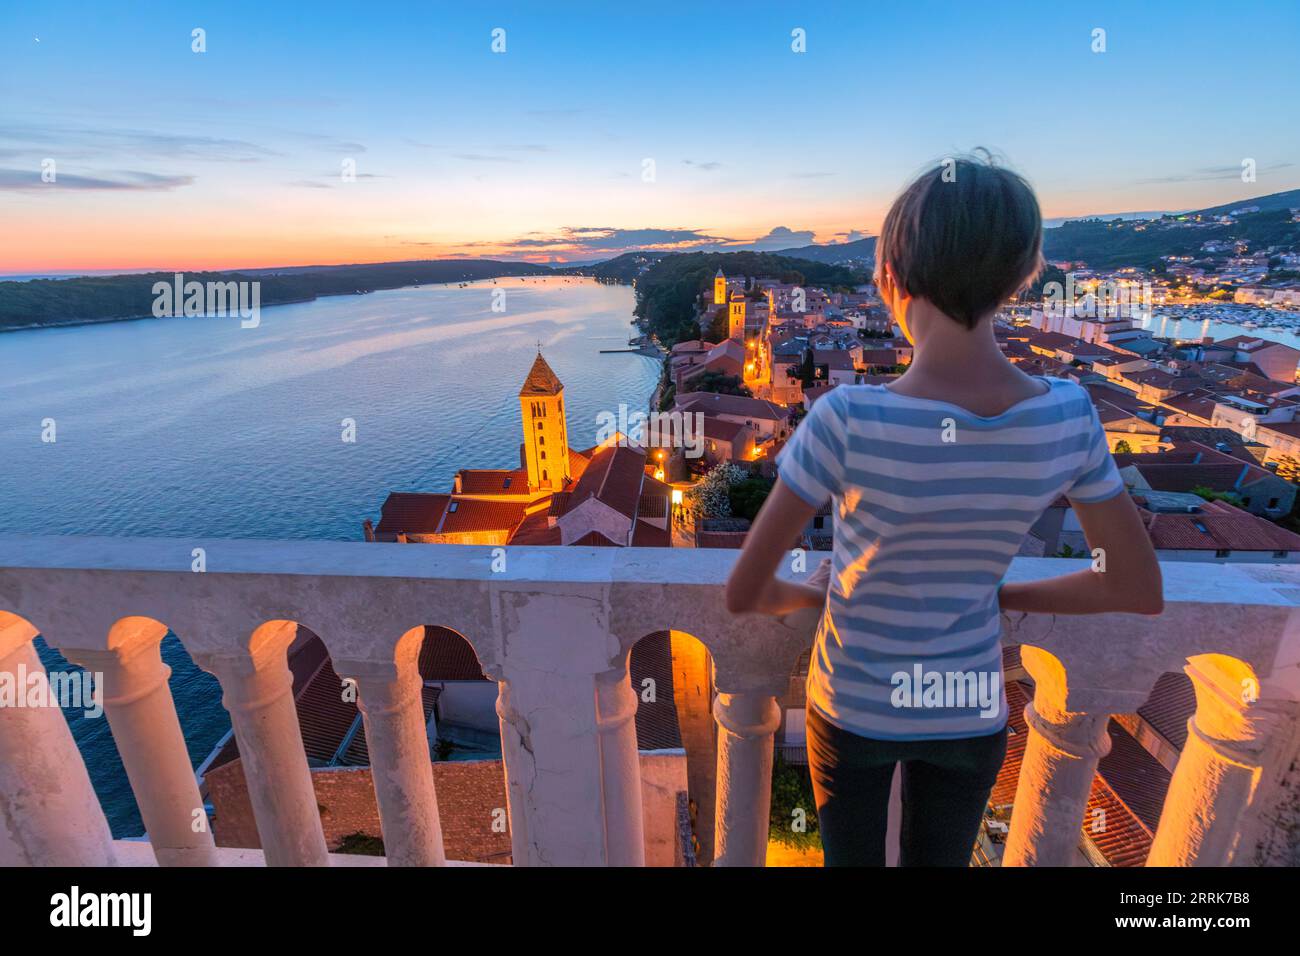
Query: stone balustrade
[555,629]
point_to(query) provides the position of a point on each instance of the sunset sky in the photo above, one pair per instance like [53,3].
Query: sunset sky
[166,158]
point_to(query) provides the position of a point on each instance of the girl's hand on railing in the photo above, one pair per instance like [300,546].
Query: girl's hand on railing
[821,578]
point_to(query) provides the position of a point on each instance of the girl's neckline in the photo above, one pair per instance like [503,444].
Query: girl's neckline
[1010,409]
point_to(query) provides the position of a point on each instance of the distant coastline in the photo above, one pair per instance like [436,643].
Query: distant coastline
[27,305]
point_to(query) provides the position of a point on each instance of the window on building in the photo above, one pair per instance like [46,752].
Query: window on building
[1280,554]
[1272,503]
[544,474]
[1222,553]
[542,454]
[541,439]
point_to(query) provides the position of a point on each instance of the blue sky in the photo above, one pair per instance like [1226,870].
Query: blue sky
[232,157]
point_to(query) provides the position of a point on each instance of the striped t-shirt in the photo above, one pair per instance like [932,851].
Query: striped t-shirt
[931,503]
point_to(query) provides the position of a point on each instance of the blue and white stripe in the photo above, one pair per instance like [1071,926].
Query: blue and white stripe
[924,532]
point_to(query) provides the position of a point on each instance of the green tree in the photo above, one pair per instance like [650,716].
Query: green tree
[746,497]
[722,384]
[792,820]
[710,497]
[1209,494]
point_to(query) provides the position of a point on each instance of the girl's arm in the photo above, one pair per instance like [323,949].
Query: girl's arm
[1131,579]
[753,585]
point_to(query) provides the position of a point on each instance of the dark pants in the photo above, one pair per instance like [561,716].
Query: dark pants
[946,785]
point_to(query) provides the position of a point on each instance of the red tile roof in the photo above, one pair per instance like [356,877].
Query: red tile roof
[412,512]
[1122,398]
[720,539]
[594,539]
[614,477]
[736,405]
[652,506]
[1172,702]
[647,535]
[1124,840]
[541,380]
[468,515]
[1185,477]
[535,530]
[1219,527]
[493,481]
[1134,776]
[720,429]
[445,655]
[656,721]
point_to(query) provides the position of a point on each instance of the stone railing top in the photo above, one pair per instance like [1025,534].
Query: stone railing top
[586,605]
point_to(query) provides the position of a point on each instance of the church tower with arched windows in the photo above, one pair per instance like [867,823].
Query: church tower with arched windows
[719,289]
[546,435]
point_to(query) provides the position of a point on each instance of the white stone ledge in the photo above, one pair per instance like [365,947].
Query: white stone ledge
[581,608]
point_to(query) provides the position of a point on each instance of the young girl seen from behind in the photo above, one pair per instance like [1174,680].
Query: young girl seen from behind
[935,479]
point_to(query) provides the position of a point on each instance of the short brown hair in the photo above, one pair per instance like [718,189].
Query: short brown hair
[965,235]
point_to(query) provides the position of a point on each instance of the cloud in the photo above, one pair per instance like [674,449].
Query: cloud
[703,167]
[782,237]
[1208,173]
[87,141]
[492,154]
[584,243]
[125,181]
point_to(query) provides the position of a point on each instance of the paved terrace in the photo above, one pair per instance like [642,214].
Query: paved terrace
[555,630]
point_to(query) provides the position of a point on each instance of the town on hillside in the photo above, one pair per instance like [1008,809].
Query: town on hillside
[1204,430]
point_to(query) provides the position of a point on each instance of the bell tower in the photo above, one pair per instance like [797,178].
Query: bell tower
[736,317]
[719,289]
[546,435]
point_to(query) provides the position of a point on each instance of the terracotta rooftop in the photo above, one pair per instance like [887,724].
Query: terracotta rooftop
[536,530]
[647,535]
[410,511]
[736,405]
[541,380]
[720,539]
[467,515]
[1184,477]
[1219,527]
[493,481]
[614,476]
[1125,840]
[1172,701]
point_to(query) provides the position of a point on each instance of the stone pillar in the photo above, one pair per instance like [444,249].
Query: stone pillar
[747,726]
[1055,781]
[48,808]
[620,768]
[516,759]
[400,765]
[551,747]
[142,715]
[1218,770]
[257,690]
